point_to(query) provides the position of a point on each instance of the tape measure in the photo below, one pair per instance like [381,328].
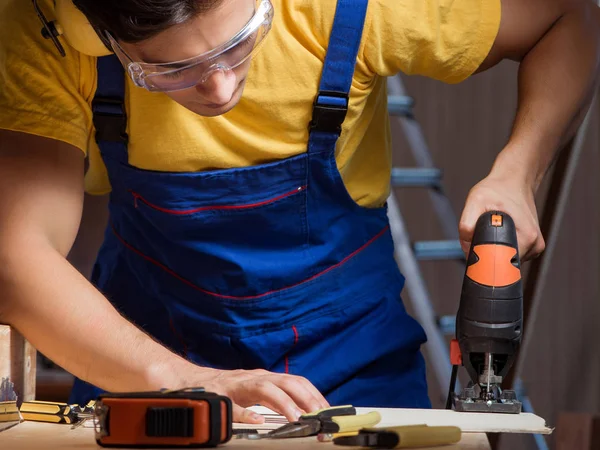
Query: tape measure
[184,418]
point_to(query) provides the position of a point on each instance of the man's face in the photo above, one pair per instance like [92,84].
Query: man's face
[222,90]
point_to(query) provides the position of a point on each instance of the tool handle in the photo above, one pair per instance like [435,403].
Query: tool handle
[428,436]
[345,424]
[345,410]
[493,260]
[52,412]
[45,407]
[9,412]
[419,436]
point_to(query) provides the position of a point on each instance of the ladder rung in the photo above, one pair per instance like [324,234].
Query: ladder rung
[416,177]
[400,105]
[447,325]
[428,250]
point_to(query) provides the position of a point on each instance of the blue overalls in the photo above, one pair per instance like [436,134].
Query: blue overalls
[272,266]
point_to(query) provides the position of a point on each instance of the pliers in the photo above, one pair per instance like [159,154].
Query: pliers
[338,419]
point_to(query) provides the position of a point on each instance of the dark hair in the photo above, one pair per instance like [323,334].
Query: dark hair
[136,20]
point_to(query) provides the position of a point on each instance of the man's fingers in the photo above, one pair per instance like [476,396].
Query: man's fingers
[243,415]
[304,394]
[466,225]
[534,250]
[540,246]
[278,400]
[289,395]
[322,401]
[531,241]
[465,246]
[466,228]
[272,407]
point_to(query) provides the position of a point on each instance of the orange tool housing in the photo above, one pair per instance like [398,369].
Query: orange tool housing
[186,418]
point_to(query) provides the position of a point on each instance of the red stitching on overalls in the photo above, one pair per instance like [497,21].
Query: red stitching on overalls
[287,358]
[249,297]
[179,212]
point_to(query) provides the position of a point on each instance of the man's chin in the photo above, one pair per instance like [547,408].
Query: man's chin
[217,110]
[206,111]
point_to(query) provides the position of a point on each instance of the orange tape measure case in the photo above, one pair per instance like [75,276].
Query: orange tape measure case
[191,418]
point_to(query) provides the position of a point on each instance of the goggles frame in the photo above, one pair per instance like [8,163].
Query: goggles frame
[142,73]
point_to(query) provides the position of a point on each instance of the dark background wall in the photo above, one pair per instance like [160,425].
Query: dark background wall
[465,127]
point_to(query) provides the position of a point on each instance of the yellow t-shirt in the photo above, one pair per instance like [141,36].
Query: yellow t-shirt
[48,95]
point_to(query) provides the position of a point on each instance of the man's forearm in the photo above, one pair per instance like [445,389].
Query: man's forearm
[68,320]
[557,79]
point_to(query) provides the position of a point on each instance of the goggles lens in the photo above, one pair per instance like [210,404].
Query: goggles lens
[178,75]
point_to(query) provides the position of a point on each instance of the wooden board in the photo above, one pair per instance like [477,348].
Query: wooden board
[35,436]
[467,422]
[17,362]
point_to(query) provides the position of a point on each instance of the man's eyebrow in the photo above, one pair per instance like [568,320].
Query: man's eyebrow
[148,60]
[143,57]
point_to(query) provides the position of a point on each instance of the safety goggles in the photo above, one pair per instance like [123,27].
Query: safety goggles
[178,75]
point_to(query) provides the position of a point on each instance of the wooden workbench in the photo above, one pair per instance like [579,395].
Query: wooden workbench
[35,436]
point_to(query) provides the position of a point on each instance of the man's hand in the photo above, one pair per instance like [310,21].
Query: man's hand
[511,196]
[289,395]
[557,43]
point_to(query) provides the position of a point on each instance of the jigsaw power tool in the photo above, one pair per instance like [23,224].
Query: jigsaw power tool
[489,319]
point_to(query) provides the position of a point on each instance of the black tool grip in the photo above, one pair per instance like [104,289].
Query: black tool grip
[490,315]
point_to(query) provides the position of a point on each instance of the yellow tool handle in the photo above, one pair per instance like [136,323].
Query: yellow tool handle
[328,410]
[8,407]
[356,423]
[54,412]
[39,407]
[41,417]
[10,417]
[424,436]
[9,412]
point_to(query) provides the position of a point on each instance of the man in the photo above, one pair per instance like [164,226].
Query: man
[248,249]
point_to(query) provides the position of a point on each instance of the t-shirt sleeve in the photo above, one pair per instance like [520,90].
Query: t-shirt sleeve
[41,92]
[446,40]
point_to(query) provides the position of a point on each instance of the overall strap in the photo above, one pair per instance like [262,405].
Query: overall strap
[108,108]
[331,104]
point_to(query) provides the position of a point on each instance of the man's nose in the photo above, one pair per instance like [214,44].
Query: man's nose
[218,87]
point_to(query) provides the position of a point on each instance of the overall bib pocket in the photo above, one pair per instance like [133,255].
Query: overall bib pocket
[239,224]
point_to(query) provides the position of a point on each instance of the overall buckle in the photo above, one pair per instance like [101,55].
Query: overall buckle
[110,119]
[329,112]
